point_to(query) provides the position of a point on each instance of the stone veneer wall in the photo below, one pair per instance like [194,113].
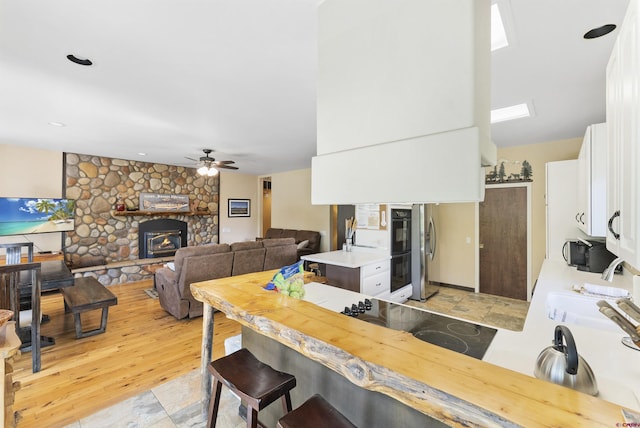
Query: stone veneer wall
[96,183]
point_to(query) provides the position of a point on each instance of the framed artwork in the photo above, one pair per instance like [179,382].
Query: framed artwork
[239,208]
[162,202]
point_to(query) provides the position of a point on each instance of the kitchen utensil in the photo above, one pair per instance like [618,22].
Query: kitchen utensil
[629,308]
[561,364]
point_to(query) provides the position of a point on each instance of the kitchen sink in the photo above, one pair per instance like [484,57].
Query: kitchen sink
[572,308]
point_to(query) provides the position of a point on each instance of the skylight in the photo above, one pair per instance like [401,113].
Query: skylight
[509,113]
[498,33]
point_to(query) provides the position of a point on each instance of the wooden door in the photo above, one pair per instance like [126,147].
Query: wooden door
[503,242]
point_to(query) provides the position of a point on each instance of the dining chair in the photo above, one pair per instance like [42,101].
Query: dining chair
[10,280]
[14,252]
[13,256]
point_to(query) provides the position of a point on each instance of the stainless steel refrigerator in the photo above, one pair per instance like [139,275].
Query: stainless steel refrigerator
[423,246]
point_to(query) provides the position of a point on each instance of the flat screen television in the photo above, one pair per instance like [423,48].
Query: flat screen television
[21,216]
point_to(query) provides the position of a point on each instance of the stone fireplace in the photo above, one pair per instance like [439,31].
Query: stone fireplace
[161,237]
[107,243]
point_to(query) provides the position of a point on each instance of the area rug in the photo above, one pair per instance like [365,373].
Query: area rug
[151,292]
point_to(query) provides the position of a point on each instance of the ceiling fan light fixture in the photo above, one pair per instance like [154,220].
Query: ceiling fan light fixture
[207,170]
[210,166]
[599,32]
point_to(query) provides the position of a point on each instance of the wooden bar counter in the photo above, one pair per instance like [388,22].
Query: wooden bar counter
[450,387]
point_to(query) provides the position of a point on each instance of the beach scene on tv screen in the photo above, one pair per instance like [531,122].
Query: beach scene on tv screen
[19,216]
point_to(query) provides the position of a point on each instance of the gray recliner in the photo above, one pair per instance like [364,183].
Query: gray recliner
[192,264]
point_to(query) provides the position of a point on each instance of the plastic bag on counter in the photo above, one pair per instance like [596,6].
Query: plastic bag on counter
[289,280]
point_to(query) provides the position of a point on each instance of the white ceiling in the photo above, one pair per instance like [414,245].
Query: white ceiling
[171,78]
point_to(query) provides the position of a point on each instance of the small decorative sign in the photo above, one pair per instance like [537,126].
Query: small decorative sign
[162,202]
[239,208]
[509,171]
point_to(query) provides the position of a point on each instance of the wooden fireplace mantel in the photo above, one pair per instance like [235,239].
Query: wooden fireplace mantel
[158,213]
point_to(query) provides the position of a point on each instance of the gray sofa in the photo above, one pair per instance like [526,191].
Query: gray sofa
[308,241]
[211,261]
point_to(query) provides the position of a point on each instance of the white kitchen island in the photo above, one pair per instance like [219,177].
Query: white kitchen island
[362,270]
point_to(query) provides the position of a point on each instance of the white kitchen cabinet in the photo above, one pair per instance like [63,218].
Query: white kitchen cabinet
[592,178]
[623,130]
[561,202]
[401,295]
[375,278]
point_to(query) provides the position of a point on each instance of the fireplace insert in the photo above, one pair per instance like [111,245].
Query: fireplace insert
[162,243]
[161,238]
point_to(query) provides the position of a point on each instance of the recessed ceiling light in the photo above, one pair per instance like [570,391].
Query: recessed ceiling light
[599,32]
[142,154]
[509,113]
[79,60]
[58,124]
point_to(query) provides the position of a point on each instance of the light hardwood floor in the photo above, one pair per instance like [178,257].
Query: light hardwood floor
[142,348]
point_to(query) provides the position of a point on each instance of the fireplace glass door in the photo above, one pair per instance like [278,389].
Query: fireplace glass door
[162,243]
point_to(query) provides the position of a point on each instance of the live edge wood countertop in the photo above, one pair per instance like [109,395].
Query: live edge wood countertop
[453,388]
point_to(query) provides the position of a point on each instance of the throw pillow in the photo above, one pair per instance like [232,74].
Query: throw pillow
[303,244]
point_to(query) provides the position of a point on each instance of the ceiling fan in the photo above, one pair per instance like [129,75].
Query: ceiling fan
[210,166]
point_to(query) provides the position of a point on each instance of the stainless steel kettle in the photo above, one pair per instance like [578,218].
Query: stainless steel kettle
[561,364]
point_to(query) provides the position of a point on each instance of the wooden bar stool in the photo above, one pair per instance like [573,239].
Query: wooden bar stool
[316,412]
[253,381]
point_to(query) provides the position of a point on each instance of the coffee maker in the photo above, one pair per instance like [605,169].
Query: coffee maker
[589,255]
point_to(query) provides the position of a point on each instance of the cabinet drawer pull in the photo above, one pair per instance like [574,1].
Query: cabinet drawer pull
[610,225]
[378,284]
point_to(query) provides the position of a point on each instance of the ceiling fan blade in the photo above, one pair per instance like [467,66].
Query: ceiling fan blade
[191,159]
[224,162]
[226,167]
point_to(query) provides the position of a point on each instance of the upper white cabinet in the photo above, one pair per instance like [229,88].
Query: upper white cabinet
[592,182]
[623,116]
[399,105]
[561,200]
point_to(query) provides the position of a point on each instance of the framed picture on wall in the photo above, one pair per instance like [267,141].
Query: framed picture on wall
[239,208]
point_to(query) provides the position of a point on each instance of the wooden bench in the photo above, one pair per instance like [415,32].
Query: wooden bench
[88,294]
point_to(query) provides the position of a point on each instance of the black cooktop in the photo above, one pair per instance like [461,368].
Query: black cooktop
[460,336]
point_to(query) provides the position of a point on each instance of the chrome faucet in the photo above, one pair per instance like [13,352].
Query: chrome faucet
[607,274]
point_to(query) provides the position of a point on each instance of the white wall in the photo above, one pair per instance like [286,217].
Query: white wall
[27,173]
[291,205]
[239,186]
